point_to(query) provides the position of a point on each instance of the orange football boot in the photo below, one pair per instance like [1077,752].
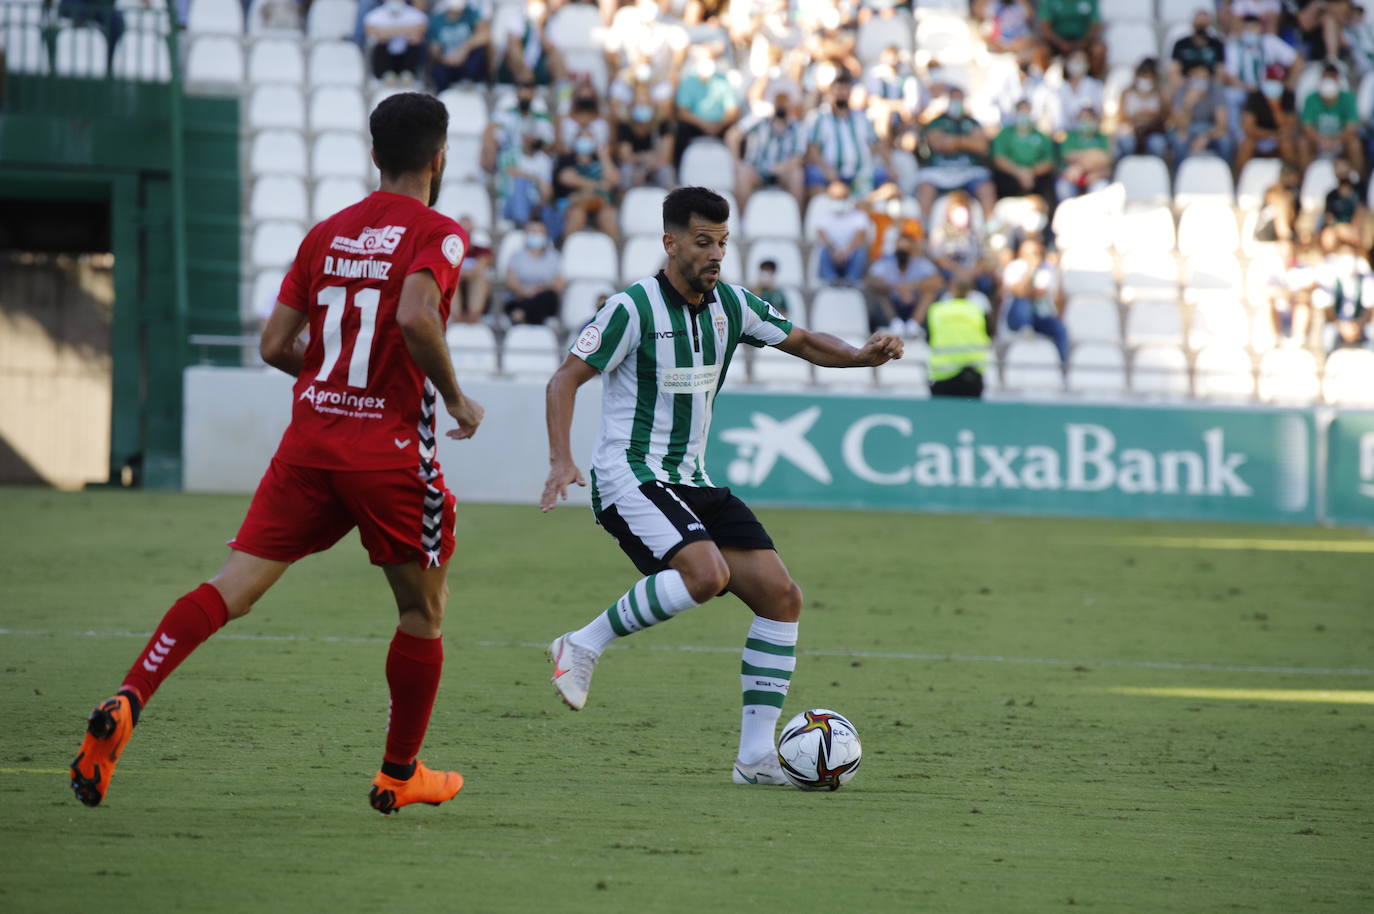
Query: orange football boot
[107,730]
[389,794]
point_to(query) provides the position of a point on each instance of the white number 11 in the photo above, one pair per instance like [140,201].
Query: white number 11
[334,299]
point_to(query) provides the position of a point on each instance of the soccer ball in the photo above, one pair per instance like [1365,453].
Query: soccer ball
[819,750]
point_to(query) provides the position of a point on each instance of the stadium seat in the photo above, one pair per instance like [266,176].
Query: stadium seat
[707,163]
[772,366]
[1018,212]
[1318,181]
[1091,318]
[1218,322]
[278,197]
[1130,42]
[1088,271]
[1149,274]
[530,350]
[575,27]
[589,66]
[1263,336]
[276,60]
[467,111]
[818,209]
[340,154]
[336,63]
[277,152]
[1203,177]
[1031,366]
[465,157]
[333,194]
[1080,222]
[578,305]
[856,379]
[381,93]
[1256,178]
[946,38]
[329,19]
[1224,372]
[142,57]
[262,297]
[1154,322]
[772,213]
[80,51]
[25,50]
[1145,178]
[590,255]
[1211,272]
[466,198]
[1097,369]
[259,19]
[643,256]
[337,108]
[274,244]
[215,17]
[941,206]
[1208,227]
[641,212]
[1118,78]
[276,105]
[1306,83]
[1146,229]
[1349,378]
[1159,371]
[791,268]
[510,242]
[1175,11]
[473,349]
[840,311]
[907,375]
[878,33]
[1288,376]
[1125,11]
[215,60]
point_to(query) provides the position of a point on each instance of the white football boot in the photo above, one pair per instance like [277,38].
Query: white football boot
[573,666]
[764,771]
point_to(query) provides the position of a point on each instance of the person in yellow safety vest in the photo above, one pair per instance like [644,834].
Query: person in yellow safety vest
[957,330]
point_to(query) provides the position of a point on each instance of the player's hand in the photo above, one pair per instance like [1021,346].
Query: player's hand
[468,414]
[561,475]
[880,349]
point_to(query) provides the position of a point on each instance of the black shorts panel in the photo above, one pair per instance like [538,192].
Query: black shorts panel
[727,520]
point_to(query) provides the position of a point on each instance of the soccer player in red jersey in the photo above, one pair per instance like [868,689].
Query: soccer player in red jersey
[373,283]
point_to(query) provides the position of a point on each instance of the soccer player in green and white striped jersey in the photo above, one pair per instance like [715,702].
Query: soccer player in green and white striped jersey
[663,347]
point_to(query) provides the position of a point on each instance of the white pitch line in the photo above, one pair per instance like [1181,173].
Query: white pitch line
[709,649]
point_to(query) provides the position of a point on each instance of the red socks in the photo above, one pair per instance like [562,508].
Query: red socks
[191,620]
[413,666]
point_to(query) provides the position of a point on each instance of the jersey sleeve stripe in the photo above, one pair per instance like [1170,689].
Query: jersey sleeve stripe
[646,368]
[766,313]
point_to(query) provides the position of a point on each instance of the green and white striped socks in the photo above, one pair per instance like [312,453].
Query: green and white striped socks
[650,601]
[770,656]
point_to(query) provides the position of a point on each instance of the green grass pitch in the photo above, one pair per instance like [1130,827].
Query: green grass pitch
[1004,674]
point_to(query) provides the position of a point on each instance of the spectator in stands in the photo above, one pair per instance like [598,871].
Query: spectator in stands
[511,124]
[1269,122]
[844,239]
[1141,115]
[706,103]
[1199,121]
[773,154]
[474,284]
[892,219]
[639,32]
[1023,158]
[958,330]
[893,93]
[1278,213]
[1077,92]
[1291,290]
[1085,156]
[1319,24]
[584,186]
[275,15]
[1073,25]
[1345,218]
[583,117]
[102,14]
[644,143]
[958,156]
[767,287]
[958,246]
[1231,12]
[1035,296]
[534,278]
[459,43]
[1346,296]
[525,52]
[1359,39]
[1027,81]
[843,145]
[1008,25]
[1250,55]
[524,188]
[398,30]
[1201,47]
[638,82]
[1330,122]
[901,285]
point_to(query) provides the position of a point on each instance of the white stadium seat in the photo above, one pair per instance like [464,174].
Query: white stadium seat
[1211,272]
[907,375]
[643,256]
[339,153]
[337,108]
[707,163]
[1256,178]
[1318,181]
[262,298]
[1219,322]
[331,19]
[818,209]
[791,268]
[878,33]
[1088,271]
[1125,11]
[1149,274]
[1224,372]
[1154,322]
[1159,371]
[1288,376]
[333,194]
[80,51]
[473,349]
[143,57]
[774,367]
[1147,229]
[641,212]
[215,17]
[530,350]
[1128,43]
[772,213]
[510,242]
[1349,378]
[215,60]
[466,198]
[1031,366]
[842,312]
[464,157]
[1208,227]
[1203,177]
[276,60]
[1145,178]
[1263,336]
[946,38]
[277,152]
[1079,222]
[25,50]
[590,255]
[467,111]
[1091,318]
[276,105]
[336,63]
[575,27]
[1175,11]
[1097,369]
[579,302]
[274,244]
[278,197]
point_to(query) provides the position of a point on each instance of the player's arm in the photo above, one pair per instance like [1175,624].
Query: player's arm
[422,326]
[829,351]
[281,345]
[559,398]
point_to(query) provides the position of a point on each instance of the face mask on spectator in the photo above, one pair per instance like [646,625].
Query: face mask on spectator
[1250,39]
[956,107]
[1271,88]
[706,67]
[1328,88]
[395,5]
[643,73]
[1077,66]
[1198,84]
[536,241]
[642,114]
[1023,121]
[766,277]
[1144,85]
[958,217]
[1087,125]
[584,146]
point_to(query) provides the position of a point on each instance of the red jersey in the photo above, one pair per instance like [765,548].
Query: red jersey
[361,402]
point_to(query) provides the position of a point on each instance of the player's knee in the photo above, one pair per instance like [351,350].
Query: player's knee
[707,578]
[790,602]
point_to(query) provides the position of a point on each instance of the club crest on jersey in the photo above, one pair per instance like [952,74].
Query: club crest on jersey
[589,341]
[453,248]
[722,327]
[371,241]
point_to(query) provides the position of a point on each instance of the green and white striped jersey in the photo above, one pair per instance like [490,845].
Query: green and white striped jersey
[662,366]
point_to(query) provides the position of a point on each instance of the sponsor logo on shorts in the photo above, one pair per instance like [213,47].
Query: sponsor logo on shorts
[589,341]
[694,527]
[370,241]
[454,248]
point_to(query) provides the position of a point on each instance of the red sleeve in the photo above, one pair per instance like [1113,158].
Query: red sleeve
[295,288]
[441,251]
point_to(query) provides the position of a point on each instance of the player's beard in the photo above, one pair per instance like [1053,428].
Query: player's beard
[435,180]
[699,280]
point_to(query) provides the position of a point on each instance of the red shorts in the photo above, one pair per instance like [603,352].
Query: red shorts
[299,510]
